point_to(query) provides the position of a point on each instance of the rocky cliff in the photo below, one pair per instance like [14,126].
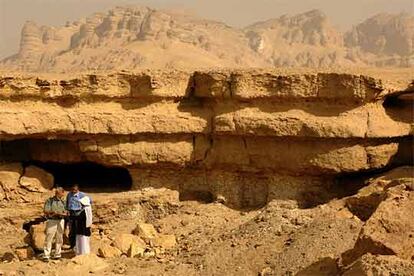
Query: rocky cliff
[243,136]
[241,172]
[140,37]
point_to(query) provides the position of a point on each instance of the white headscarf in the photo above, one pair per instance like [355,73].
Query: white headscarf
[86,203]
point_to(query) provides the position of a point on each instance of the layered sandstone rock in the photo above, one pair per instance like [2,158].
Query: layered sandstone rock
[237,135]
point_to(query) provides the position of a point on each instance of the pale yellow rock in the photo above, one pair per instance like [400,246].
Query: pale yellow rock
[37,235]
[347,87]
[165,241]
[390,229]
[108,251]
[369,264]
[123,242]
[25,253]
[36,180]
[9,179]
[90,263]
[145,231]
[209,134]
[135,250]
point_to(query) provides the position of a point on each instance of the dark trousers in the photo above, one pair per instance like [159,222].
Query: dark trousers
[73,224]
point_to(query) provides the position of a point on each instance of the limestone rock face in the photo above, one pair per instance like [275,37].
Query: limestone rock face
[239,135]
[313,41]
[141,37]
[9,179]
[36,180]
[23,184]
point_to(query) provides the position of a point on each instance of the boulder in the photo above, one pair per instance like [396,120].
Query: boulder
[135,250]
[165,241]
[9,179]
[123,242]
[366,201]
[36,180]
[90,262]
[145,231]
[368,265]
[108,251]
[25,253]
[37,236]
[390,229]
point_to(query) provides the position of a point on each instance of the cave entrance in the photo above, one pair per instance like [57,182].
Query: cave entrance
[91,177]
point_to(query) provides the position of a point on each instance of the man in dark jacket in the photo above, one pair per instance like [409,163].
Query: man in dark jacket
[75,208]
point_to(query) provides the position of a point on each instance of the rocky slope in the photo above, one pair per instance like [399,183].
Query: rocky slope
[140,37]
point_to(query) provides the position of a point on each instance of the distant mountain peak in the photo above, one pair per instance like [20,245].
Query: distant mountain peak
[129,37]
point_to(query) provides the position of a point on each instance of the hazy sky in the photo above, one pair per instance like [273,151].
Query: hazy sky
[13,13]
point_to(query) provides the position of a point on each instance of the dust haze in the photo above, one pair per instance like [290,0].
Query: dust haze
[13,13]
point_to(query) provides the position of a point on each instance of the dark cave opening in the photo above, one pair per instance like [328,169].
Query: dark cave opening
[91,177]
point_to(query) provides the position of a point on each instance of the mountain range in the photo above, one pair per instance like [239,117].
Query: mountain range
[141,37]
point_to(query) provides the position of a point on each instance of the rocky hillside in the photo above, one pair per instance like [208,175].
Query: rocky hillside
[140,37]
[386,37]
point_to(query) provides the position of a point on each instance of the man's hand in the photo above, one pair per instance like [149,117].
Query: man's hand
[48,213]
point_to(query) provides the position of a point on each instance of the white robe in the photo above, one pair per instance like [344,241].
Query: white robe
[82,245]
[83,242]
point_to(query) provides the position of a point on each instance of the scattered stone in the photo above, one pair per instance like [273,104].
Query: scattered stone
[165,241]
[120,268]
[145,231]
[159,251]
[267,271]
[90,262]
[25,253]
[369,265]
[108,251]
[135,250]
[390,230]
[149,253]
[123,242]
[221,199]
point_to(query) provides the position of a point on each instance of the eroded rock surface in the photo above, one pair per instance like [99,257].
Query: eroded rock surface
[222,130]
